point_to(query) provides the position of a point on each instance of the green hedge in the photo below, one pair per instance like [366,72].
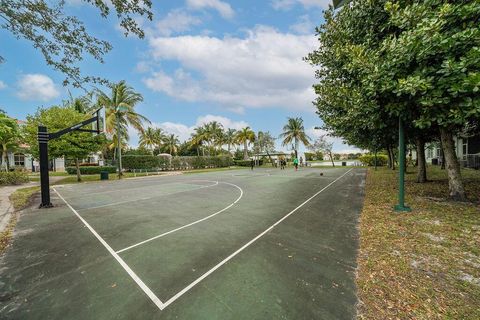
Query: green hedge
[369,160]
[247,163]
[90,170]
[131,162]
[143,162]
[13,177]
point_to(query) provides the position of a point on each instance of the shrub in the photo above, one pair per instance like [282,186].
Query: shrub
[143,162]
[132,162]
[13,177]
[90,170]
[247,163]
[369,160]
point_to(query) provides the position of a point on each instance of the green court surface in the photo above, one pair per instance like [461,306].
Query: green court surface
[239,244]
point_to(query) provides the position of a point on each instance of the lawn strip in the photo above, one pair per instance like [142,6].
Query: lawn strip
[424,264]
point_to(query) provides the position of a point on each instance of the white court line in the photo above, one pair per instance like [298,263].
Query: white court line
[190,224]
[206,274]
[125,266]
[148,198]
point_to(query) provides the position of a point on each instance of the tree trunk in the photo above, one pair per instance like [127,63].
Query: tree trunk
[198,151]
[77,165]
[442,155]
[270,157]
[331,158]
[455,183]
[245,150]
[421,163]
[4,157]
[389,158]
[393,158]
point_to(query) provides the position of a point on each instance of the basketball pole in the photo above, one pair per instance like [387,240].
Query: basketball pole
[43,138]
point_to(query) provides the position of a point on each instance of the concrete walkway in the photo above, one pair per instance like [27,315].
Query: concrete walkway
[6,208]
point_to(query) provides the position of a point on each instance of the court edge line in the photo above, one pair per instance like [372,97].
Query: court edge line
[206,274]
[124,265]
[147,198]
[190,224]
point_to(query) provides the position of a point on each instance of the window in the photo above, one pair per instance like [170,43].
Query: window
[19,159]
[464,147]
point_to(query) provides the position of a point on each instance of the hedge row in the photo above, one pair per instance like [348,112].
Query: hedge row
[369,160]
[13,177]
[90,170]
[247,163]
[130,162]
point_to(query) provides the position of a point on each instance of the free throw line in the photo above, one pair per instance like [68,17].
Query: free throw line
[190,224]
[206,274]
[130,272]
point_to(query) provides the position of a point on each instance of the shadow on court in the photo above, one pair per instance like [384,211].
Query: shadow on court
[240,244]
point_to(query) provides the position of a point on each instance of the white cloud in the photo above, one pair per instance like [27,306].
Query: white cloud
[176,21]
[303,26]
[288,4]
[36,87]
[264,69]
[223,8]
[2,85]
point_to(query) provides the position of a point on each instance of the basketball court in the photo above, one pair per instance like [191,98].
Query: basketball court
[238,244]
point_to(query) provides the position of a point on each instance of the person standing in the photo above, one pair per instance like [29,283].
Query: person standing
[295,163]
[252,164]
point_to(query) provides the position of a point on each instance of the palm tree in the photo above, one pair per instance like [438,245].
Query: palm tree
[230,138]
[120,112]
[149,138]
[198,139]
[171,143]
[214,134]
[245,136]
[294,131]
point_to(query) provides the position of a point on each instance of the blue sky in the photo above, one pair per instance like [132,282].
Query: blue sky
[237,62]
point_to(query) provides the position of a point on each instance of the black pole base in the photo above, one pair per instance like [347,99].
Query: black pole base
[45,205]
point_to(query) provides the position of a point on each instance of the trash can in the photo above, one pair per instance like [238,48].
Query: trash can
[103,175]
[344,163]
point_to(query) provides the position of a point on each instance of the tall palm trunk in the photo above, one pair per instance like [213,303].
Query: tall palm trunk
[455,183]
[245,150]
[422,167]
[296,148]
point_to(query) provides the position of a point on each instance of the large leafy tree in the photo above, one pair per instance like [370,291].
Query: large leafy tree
[63,40]
[434,63]
[245,136]
[380,61]
[75,145]
[9,137]
[294,132]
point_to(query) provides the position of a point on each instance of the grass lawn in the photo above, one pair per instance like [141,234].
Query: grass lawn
[424,264]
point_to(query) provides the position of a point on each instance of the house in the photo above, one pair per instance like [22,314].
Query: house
[467,150]
[22,159]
